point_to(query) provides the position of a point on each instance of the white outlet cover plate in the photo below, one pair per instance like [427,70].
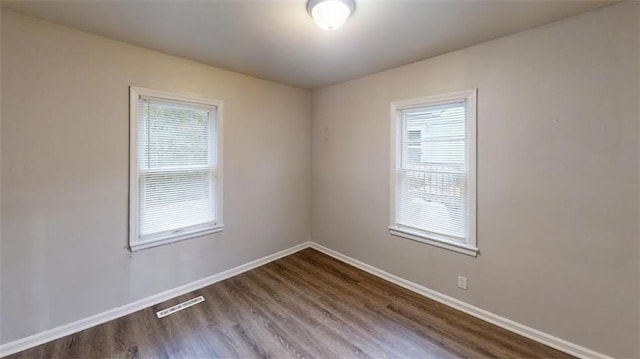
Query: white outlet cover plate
[462,283]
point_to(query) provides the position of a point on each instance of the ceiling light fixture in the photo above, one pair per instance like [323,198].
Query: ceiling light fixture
[330,14]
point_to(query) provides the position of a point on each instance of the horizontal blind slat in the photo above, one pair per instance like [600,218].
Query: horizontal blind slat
[177,161]
[432,178]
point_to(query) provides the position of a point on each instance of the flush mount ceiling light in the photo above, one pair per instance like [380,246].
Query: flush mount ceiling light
[330,14]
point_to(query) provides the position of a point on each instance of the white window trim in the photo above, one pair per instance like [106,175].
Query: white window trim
[134,96]
[470,248]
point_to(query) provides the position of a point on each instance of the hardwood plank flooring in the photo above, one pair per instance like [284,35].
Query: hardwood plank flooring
[306,305]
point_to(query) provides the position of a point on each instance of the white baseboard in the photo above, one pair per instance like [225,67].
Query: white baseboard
[92,321]
[59,332]
[525,331]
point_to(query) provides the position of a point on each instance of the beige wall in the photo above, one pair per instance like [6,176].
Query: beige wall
[558,177]
[65,174]
[0,174]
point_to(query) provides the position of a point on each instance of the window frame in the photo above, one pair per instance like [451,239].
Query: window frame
[135,93]
[470,247]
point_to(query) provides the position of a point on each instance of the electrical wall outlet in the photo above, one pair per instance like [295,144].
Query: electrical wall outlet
[462,282]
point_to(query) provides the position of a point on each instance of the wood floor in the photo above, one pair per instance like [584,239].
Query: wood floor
[306,305]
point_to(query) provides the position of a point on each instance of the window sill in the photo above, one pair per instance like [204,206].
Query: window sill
[172,239]
[455,247]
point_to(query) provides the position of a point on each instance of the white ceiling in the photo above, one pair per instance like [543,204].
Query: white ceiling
[278,41]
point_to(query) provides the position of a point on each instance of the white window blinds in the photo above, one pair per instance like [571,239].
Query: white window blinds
[431,178]
[176,168]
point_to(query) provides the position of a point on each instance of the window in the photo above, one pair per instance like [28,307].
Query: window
[175,168]
[433,179]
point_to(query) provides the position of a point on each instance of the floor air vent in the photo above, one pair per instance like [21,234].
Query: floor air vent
[179,307]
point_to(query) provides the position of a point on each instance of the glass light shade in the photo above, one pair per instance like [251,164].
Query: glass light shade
[330,14]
